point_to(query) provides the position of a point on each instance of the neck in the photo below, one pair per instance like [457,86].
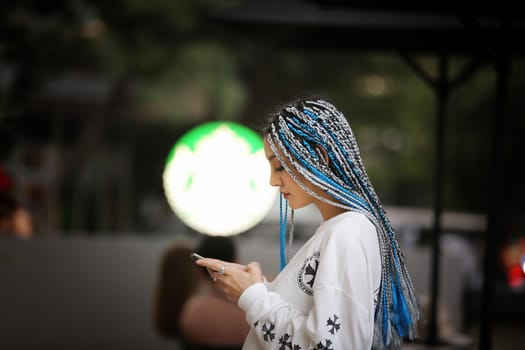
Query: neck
[329,211]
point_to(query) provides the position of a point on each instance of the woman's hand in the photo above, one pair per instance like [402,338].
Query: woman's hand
[234,278]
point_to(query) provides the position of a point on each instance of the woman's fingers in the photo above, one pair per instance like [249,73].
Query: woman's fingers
[254,269]
[217,268]
[253,265]
[210,264]
[216,264]
[234,278]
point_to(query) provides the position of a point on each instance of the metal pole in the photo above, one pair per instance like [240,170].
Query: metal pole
[442,100]
[494,210]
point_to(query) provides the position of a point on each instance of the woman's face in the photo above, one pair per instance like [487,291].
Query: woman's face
[296,196]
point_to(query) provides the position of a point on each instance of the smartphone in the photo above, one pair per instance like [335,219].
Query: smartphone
[196,256]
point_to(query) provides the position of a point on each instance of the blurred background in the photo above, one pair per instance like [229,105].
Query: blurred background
[93,95]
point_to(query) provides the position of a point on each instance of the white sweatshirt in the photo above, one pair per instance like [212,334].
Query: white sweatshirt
[325,296]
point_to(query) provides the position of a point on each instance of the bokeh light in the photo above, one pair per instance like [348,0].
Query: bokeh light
[216,179]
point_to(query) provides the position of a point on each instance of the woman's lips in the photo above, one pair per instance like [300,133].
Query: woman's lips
[285,195]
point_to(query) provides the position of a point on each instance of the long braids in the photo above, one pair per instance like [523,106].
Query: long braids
[295,135]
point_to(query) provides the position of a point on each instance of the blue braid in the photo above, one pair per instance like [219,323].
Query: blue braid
[363,204]
[313,169]
[331,156]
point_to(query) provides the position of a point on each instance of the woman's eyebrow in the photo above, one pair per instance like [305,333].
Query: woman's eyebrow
[271,157]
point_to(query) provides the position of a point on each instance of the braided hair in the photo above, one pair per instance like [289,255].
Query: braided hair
[295,135]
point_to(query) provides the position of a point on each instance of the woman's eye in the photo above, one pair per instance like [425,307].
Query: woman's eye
[281,168]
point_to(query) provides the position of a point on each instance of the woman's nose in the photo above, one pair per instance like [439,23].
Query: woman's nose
[275,180]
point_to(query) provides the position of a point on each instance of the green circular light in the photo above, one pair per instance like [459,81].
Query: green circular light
[216,179]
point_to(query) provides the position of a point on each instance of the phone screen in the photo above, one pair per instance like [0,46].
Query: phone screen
[196,256]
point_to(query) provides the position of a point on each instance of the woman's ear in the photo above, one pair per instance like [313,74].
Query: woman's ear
[321,152]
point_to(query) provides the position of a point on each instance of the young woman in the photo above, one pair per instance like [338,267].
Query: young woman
[347,287]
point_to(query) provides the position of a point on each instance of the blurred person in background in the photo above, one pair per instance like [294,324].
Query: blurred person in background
[209,320]
[177,281]
[15,219]
[192,309]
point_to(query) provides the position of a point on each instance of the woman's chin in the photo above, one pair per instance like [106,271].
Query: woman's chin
[296,206]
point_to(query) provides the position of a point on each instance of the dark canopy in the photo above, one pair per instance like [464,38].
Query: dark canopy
[454,26]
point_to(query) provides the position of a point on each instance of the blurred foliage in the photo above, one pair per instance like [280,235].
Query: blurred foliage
[152,70]
[201,83]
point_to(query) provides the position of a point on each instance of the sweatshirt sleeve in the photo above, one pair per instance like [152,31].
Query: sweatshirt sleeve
[342,314]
